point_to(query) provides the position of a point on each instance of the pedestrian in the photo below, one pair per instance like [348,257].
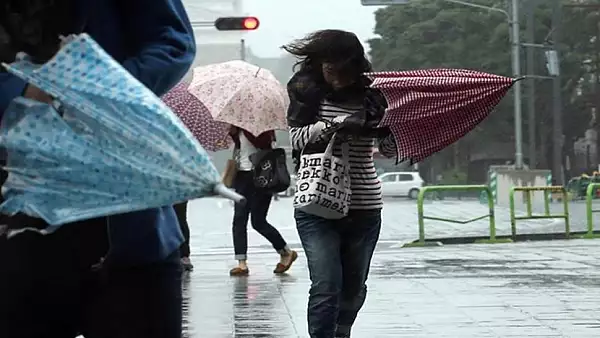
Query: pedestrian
[257,205]
[117,276]
[330,89]
[184,249]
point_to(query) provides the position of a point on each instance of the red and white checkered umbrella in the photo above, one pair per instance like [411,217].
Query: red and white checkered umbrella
[430,109]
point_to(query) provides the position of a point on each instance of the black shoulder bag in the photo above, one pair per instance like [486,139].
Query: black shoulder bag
[270,170]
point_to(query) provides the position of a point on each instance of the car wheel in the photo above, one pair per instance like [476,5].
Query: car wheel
[413,194]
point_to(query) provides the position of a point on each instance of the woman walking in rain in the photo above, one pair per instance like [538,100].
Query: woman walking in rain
[257,206]
[330,89]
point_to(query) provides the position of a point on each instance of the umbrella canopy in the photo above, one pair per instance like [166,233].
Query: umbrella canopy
[430,109]
[212,135]
[242,94]
[116,148]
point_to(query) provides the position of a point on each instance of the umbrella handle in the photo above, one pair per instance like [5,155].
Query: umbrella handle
[221,190]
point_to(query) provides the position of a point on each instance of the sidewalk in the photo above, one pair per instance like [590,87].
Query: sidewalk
[541,289]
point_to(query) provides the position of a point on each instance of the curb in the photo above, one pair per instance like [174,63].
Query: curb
[500,239]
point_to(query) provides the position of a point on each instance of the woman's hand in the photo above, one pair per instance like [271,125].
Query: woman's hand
[340,119]
[315,132]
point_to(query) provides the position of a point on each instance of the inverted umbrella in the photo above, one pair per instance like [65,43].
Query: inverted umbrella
[242,94]
[430,109]
[116,148]
[212,135]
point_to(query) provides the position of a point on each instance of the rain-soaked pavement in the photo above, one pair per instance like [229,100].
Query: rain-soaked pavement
[534,289]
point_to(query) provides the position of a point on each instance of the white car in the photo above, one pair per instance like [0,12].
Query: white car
[401,184]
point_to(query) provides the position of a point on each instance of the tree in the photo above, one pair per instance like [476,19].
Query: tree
[432,34]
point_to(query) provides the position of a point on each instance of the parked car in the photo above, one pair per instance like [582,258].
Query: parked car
[401,184]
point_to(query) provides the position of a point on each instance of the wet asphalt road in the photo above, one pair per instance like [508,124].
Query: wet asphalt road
[535,289]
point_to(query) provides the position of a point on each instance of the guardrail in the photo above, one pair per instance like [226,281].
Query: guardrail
[589,211]
[547,215]
[438,188]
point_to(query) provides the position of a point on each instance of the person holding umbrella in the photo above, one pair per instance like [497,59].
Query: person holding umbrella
[330,90]
[335,91]
[253,102]
[258,204]
[117,276]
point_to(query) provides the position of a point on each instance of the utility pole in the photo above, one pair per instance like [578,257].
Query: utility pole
[516,66]
[557,123]
[532,150]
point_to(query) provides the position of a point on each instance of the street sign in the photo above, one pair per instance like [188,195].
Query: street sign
[383,2]
[552,63]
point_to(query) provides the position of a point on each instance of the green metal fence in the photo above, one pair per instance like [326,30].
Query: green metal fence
[527,196]
[441,188]
[589,197]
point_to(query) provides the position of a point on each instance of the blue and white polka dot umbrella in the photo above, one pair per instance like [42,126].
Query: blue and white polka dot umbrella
[108,145]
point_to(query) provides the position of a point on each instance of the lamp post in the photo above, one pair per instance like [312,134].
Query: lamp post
[515,39]
[513,20]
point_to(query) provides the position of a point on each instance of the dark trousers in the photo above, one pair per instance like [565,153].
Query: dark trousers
[181,212]
[339,255]
[256,209]
[51,287]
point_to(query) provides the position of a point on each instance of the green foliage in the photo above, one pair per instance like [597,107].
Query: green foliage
[433,34]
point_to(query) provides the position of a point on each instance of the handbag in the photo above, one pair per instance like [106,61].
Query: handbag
[270,170]
[230,169]
[323,183]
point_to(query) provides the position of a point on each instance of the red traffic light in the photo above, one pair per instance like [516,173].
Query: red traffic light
[250,23]
[243,23]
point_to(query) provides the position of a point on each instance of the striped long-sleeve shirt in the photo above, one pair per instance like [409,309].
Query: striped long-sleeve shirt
[365,184]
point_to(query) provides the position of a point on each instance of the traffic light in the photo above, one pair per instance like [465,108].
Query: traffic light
[242,23]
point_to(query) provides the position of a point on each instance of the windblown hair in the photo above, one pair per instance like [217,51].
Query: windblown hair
[338,47]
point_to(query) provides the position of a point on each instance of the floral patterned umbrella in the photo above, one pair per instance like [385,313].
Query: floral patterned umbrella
[242,94]
[212,135]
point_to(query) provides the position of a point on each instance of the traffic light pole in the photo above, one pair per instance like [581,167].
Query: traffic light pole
[530,69]
[557,118]
[515,38]
[516,66]
[243,50]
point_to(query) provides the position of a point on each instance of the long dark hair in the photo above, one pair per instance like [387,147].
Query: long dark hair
[334,46]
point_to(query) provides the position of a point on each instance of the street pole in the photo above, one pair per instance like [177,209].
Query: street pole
[513,20]
[532,154]
[516,65]
[557,125]
[243,50]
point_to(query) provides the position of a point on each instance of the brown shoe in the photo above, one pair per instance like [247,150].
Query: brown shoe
[282,268]
[237,271]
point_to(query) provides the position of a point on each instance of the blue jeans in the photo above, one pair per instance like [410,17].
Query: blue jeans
[339,255]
